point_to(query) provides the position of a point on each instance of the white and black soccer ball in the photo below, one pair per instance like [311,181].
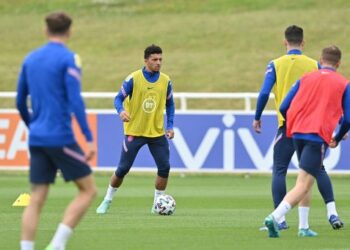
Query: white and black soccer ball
[165,205]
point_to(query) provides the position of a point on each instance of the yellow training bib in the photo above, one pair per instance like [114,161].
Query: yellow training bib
[289,68]
[146,106]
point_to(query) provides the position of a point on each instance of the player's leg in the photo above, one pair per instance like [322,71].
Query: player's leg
[74,212]
[310,155]
[130,147]
[42,172]
[71,161]
[313,156]
[31,214]
[301,189]
[304,204]
[282,155]
[325,187]
[303,211]
[294,196]
[77,208]
[159,148]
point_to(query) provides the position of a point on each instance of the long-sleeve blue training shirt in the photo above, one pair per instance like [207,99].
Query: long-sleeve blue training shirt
[269,82]
[152,77]
[345,121]
[52,79]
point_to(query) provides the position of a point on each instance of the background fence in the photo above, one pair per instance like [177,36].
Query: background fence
[183,97]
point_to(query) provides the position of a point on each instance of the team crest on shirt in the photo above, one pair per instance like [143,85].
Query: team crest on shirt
[77,60]
[149,105]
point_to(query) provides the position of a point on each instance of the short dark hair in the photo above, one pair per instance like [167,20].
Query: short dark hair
[152,49]
[331,55]
[294,35]
[58,23]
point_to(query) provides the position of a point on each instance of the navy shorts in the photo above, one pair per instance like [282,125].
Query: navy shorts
[310,155]
[158,146]
[45,161]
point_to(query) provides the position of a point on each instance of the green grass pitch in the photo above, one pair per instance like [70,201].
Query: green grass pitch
[213,212]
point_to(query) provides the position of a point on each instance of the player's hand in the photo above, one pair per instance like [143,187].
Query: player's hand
[170,134]
[90,152]
[333,143]
[257,126]
[124,116]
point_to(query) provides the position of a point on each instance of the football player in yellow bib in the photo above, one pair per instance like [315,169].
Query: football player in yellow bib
[140,103]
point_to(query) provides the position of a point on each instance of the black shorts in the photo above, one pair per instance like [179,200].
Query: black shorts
[310,155]
[45,161]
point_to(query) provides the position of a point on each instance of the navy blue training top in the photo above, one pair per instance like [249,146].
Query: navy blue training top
[51,76]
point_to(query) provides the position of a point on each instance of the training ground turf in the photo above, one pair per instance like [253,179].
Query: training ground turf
[213,212]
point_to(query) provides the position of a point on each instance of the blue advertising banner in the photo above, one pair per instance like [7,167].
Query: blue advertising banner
[210,141]
[204,141]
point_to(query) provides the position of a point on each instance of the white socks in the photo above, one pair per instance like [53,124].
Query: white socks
[58,241]
[285,207]
[110,193]
[27,245]
[283,218]
[61,236]
[157,193]
[282,209]
[331,210]
[303,217]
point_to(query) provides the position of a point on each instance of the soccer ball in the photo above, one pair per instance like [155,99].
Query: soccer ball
[165,205]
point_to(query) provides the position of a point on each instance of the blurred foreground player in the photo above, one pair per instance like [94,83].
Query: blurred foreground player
[51,76]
